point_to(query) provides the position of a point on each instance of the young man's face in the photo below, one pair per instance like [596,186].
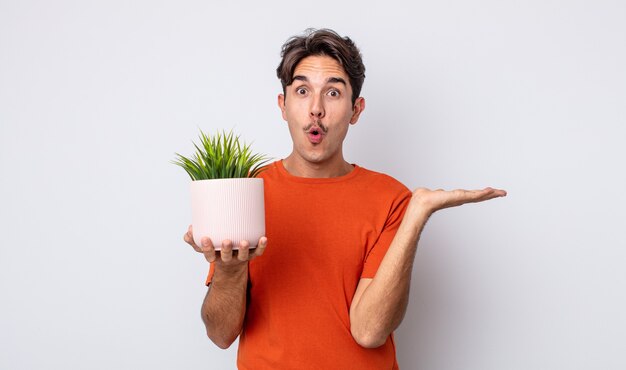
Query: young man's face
[318,109]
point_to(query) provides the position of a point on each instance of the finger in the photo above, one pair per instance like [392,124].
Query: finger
[474,196]
[244,250]
[260,248]
[227,251]
[208,250]
[188,238]
[462,196]
[500,192]
[490,193]
[190,231]
[494,193]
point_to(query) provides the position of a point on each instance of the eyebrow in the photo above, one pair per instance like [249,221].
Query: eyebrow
[336,80]
[329,80]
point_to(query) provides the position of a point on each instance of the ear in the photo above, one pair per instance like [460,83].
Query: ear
[281,105]
[359,106]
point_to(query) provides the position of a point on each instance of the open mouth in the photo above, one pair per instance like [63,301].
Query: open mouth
[315,134]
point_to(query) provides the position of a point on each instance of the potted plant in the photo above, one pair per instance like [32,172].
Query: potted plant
[226,197]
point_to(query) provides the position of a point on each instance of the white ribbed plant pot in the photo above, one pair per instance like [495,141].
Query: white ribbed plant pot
[231,209]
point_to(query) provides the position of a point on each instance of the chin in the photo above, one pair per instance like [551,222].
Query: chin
[312,157]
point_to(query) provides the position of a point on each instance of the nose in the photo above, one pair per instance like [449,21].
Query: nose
[317,108]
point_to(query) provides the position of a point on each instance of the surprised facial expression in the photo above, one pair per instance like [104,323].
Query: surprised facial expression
[318,109]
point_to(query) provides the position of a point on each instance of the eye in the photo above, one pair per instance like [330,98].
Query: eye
[333,93]
[301,91]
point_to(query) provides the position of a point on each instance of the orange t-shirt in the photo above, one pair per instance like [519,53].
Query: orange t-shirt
[324,234]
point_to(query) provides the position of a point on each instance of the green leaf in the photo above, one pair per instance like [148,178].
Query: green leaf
[219,156]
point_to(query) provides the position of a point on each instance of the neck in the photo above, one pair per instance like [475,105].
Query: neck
[316,170]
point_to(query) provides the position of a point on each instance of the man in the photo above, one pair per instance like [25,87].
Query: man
[333,282]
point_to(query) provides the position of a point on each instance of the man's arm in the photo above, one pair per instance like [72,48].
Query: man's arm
[224,306]
[379,304]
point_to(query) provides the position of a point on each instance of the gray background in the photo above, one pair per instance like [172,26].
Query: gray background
[529,96]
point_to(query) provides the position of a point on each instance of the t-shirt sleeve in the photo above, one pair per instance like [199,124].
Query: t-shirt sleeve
[377,252]
[210,276]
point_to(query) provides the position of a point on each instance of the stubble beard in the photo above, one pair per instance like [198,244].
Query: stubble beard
[316,123]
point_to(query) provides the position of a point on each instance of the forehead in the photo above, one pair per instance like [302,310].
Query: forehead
[320,65]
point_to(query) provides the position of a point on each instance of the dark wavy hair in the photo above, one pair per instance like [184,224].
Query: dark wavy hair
[322,42]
